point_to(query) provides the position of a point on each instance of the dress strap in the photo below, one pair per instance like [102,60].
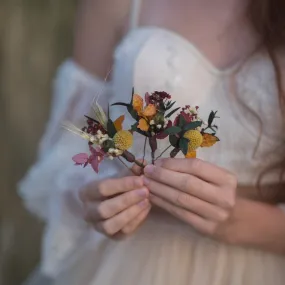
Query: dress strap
[135,14]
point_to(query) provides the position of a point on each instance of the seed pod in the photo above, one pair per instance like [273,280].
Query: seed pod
[128,156]
[153,143]
[174,152]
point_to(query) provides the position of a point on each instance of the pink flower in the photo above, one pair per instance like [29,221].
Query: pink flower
[94,159]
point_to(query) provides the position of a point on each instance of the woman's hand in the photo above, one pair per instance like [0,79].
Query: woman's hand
[254,224]
[199,193]
[116,205]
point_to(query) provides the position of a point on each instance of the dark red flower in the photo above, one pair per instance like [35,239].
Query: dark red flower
[161,135]
[158,97]
[188,116]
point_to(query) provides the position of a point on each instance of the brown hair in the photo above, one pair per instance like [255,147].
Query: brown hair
[268,20]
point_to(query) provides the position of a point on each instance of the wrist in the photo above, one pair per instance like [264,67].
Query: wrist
[266,230]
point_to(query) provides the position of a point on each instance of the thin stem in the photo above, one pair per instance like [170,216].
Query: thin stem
[139,164]
[144,148]
[130,169]
[152,157]
[163,152]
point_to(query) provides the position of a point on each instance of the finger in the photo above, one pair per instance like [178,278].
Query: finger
[137,170]
[136,222]
[199,168]
[186,183]
[197,222]
[110,187]
[118,222]
[188,202]
[105,210]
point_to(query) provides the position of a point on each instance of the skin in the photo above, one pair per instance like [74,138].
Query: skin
[204,196]
[116,205]
[201,194]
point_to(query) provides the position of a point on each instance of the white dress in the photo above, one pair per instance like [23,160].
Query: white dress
[164,251]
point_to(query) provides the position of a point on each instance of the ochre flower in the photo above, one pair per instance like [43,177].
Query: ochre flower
[143,125]
[123,140]
[138,104]
[191,154]
[146,113]
[195,140]
[149,111]
[209,140]
[119,123]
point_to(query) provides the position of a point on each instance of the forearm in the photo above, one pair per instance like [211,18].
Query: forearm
[264,229]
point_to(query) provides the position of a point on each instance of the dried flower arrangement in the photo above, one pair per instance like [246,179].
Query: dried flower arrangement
[107,138]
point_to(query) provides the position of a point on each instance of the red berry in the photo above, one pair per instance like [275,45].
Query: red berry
[90,122]
[89,130]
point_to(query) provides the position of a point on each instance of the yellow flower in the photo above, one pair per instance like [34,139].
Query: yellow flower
[195,140]
[123,140]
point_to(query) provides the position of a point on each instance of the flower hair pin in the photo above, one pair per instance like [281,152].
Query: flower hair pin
[151,115]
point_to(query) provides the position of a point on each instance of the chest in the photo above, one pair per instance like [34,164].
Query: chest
[218,30]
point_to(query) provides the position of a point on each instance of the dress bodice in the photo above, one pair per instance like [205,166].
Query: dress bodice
[245,96]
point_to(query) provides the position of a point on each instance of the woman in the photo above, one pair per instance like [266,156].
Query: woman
[203,228]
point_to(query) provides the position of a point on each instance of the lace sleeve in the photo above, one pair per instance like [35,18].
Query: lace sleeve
[50,187]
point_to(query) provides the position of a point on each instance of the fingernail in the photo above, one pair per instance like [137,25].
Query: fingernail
[149,169]
[146,181]
[143,192]
[144,203]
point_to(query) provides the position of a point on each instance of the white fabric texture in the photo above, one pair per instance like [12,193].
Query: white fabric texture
[164,251]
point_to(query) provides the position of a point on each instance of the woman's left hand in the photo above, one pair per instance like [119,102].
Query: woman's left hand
[199,193]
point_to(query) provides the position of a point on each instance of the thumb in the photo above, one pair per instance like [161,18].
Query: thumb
[137,170]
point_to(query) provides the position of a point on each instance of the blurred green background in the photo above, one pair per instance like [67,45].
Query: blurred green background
[35,37]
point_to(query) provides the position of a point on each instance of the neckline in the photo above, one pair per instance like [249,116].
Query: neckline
[195,50]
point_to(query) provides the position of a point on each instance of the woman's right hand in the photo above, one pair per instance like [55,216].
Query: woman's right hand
[115,206]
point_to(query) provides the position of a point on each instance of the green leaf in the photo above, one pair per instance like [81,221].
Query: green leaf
[162,107]
[121,104]
[111,128]
[211,118]
[169,106]
[133,93]
[173,140]
[133,113]
[172,112]
[134,127]
[168,103]
[183,145]
[172,130]
[182,121]
[192,125]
